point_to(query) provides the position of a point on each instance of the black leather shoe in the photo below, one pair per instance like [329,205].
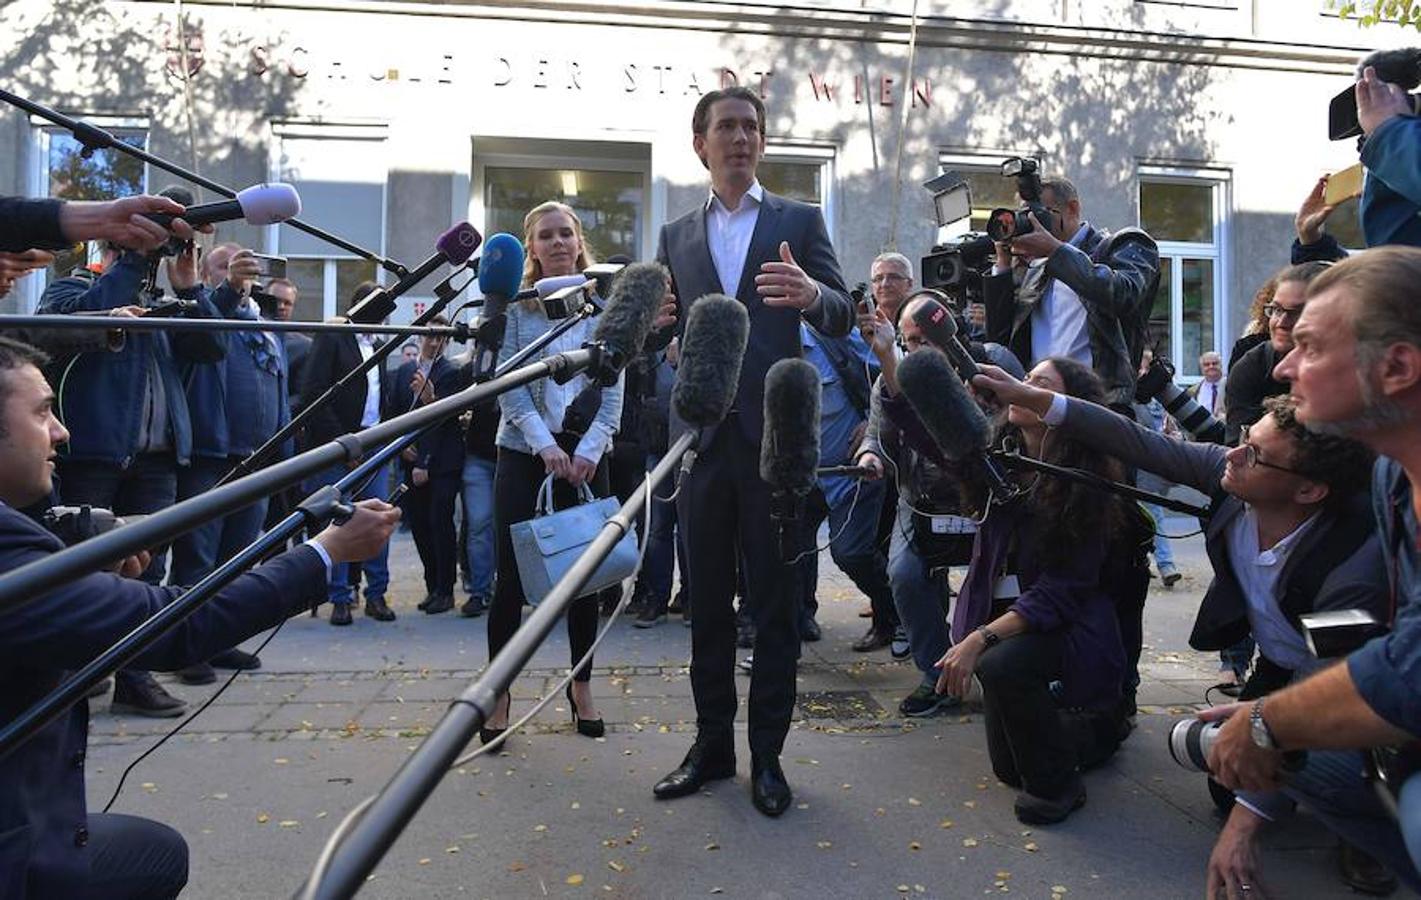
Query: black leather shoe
[340,614]
[1363,873]
[146,698]
[240,660]
[377,609]
[809,630]
[872,640]
[708,760]
[200,673]
[441,603]
[424,604]
[1034,810]
[768,788]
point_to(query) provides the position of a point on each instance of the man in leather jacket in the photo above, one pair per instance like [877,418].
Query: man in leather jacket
[1082,292]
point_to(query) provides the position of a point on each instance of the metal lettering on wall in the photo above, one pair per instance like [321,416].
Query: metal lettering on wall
[304,65]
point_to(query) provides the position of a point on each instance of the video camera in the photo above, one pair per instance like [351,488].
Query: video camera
[1401,67]
[1005,224]
[955,267]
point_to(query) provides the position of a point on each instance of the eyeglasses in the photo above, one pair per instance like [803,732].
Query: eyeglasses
[887,276]
[1251,458]
[1286,313]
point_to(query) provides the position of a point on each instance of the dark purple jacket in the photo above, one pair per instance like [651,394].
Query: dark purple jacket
[1066,598]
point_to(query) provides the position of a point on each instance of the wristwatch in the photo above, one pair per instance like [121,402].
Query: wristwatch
[988,636]
[1258,729]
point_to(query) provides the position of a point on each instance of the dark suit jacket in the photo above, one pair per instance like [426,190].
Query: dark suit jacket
[331,356]
[43,828]
[1343,538]
[774,331]
[441,451]
[1250,382]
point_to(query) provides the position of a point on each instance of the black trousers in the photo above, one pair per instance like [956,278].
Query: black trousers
[430,511]
[516,480]
[133,859]
[724,513]
[1034,744]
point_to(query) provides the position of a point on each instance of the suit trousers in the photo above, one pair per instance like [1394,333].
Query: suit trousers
[430,509]
[724,514]
[133,859]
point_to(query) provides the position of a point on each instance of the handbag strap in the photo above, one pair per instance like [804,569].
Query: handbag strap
[544,506]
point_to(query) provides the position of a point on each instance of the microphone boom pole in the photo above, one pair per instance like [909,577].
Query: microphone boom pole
[403,795]
[1090,479]
[75,322]
[94,138]
[19,586]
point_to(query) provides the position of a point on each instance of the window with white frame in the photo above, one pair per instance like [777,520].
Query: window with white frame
[340,173]
[1187,214]
[60,169]
[803,172]
[607,184]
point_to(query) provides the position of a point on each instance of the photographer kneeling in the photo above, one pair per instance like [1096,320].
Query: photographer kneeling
[49,844]
[1291,533]
[1036,614]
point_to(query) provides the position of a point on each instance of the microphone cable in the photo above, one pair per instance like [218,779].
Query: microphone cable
[328,851]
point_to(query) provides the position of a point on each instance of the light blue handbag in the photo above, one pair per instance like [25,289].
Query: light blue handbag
[547,545]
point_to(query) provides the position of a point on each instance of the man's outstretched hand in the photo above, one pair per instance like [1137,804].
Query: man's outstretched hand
[363,534]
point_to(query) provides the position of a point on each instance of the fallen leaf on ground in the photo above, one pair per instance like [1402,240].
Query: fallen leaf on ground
[574,879]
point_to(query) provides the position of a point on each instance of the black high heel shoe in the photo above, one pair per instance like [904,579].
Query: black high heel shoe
[593,728]
[489,735]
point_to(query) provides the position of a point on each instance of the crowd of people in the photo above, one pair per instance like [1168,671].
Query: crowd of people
[1312,503]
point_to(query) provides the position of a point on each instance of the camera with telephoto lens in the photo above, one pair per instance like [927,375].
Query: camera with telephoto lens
[1006,224]
[1158,384]
[1329,635]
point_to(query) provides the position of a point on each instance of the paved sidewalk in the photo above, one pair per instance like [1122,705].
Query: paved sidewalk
[885,807]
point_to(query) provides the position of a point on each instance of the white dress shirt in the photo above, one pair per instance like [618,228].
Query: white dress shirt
[1258,570]
[728,233]
[371,415]
[1210,393]
[1058,323]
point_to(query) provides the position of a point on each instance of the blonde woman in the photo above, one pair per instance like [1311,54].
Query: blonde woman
[548,429]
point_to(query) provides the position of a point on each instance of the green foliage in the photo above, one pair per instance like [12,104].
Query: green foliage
[1370,12]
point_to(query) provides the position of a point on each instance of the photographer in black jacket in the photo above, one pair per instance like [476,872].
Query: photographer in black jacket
[1082,293]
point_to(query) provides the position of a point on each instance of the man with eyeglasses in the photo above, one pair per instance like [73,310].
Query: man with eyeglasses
[1084,293]
[1291,532]
[891,278]
[1251,380]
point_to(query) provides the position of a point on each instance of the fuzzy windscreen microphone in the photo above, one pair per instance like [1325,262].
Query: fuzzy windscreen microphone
[623,326]
[712,348]
[789,447]
[950,415]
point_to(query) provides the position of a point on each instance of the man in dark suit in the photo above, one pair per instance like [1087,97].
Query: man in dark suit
[358,405]
[773,255]
[433,467]
[50,845]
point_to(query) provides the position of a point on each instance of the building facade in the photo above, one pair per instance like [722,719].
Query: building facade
[1200,120]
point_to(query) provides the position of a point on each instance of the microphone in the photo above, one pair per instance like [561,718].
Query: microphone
[500,273]
[260,204]
[950,416]
[789,445]
[454,247]
[712,348]
[940,328]
[554,292]
[623,327]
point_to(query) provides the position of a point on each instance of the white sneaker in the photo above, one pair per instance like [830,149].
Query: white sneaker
[747,663]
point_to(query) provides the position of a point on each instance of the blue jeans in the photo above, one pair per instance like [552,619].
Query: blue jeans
[1238,658]
[1164,554]
[1410,803]
[1332,787]
[662,547]
[198,552]
[918,596]
[377,568]
[478,518]
[853,527]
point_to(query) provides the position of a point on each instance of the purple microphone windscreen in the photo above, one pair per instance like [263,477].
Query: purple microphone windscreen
[501,266]
[948,413]
[789,446]
[459,243]
[712,348]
